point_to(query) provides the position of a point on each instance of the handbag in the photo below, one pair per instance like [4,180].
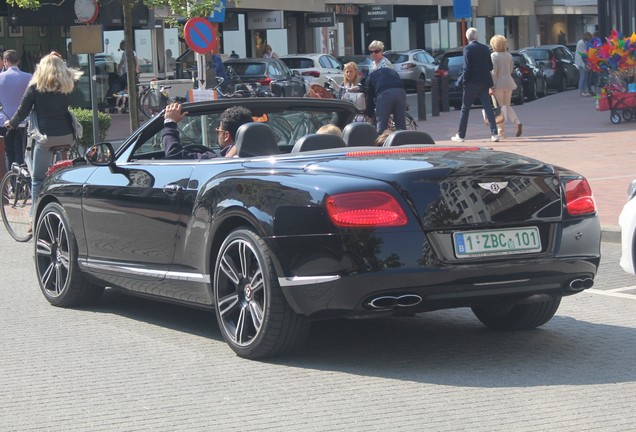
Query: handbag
[499,115]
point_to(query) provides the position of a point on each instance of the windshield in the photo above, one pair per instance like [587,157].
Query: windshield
[397,58]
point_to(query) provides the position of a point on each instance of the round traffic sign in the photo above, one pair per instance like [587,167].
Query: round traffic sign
[199,35]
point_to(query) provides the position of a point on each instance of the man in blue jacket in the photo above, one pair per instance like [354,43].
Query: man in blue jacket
[477,82]
[385,96]
[13,83]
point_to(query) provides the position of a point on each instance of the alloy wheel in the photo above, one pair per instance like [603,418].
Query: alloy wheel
[52,254]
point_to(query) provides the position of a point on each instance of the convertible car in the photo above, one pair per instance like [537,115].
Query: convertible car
[302,227]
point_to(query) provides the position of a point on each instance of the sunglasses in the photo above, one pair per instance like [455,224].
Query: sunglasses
[375,51]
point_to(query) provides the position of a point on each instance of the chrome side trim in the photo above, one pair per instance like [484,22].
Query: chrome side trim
[305,280]
[501,282]
[181,276]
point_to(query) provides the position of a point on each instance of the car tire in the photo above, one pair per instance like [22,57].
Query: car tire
[56,264]
[509,316]
[252,312]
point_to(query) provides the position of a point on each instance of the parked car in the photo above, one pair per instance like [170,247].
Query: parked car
[273,240]
[627,222]
[558,65]
[451,65]
[267,72]
[532,77]
[362,61]
[315,68]
[413,65]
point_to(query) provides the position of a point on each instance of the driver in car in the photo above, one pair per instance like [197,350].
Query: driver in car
[231,119]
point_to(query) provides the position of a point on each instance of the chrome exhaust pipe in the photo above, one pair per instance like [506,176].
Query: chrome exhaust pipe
[577,285]
[394,302]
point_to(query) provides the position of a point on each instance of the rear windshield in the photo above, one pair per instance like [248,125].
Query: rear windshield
[248,68]
[456,60]
[539,54]
[299,63]
[397,58]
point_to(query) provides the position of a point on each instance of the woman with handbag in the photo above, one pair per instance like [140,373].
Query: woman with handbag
[503,65]
[48,95]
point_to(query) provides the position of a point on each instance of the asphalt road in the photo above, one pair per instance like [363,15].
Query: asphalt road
[135,365]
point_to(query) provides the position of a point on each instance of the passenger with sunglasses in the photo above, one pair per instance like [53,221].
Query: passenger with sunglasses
[376,50]
[229,122]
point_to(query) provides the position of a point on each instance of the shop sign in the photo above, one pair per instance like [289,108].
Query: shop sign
[343,9]
[378,13]
[265,20]
[321,19]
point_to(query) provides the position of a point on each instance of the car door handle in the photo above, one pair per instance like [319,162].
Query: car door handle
[172,189]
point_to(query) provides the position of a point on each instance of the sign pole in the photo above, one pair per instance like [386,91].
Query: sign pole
[201,71]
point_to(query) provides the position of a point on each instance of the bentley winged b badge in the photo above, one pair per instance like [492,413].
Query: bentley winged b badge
[494,187]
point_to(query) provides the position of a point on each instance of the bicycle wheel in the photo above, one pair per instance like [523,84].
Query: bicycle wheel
[410,122]
[16,206]
[153,102]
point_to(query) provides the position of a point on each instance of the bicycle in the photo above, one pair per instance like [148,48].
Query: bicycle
[360,114]
[16,195]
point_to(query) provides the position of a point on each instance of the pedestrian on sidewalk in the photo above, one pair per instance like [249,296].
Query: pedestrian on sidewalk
[13,83]
[504,84]
[477,82]
[376,52]
[581,47]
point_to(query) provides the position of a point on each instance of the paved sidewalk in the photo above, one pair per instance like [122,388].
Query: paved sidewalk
[563,129]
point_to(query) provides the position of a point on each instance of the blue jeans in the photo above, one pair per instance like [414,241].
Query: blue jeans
[14,144]
[582,79]
[391,101]
[43,158]
[472,92]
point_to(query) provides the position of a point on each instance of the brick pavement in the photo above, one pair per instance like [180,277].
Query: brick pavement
[562,129]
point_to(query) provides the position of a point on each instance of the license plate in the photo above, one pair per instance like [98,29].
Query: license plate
[497,242]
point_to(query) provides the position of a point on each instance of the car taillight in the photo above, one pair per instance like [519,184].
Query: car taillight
[365,209]
[408,66]
[525,70]
[58,166]
[265,81]
[553,62]
[441,73]
[314,74]
[578,197]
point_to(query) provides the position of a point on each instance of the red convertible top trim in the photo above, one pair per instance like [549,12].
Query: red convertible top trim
[410,150]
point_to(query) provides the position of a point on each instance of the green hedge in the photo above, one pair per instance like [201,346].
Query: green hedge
[85,117]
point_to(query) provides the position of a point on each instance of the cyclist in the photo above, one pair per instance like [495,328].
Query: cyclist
[231,119]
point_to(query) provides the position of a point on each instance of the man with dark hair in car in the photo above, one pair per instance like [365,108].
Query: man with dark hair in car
[229,122]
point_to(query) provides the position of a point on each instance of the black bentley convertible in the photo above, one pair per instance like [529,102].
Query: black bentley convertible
[301,226]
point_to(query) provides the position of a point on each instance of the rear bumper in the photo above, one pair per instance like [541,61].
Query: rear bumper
[335,278]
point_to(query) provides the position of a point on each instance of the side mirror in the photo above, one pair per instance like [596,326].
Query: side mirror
[101,154]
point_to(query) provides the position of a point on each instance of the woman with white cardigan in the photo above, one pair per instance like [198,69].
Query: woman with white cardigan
[503,65]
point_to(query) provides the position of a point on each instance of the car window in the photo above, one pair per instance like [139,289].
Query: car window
[299,62]
[333,62]
[456,60]
[324,62]
[274,71]
[397,58]
[539,54]
[248,68]
[529,60]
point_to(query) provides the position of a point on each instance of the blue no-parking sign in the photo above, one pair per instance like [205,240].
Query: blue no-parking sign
[200,35]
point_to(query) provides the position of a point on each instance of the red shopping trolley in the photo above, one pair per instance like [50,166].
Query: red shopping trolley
[622,106]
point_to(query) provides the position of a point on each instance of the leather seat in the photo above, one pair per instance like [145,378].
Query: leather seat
[403,137]
[359,134]
[317,142]
[255,139]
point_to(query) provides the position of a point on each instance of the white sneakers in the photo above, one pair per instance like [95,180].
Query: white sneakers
[494,138]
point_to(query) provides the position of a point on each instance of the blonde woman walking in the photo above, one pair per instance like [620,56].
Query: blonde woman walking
[48,95]
[504,83]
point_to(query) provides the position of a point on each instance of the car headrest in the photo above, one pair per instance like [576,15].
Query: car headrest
[255,139]
[403,137]
[359,134]
[317,142]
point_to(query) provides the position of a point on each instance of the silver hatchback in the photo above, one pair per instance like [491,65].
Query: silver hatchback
[413,65]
